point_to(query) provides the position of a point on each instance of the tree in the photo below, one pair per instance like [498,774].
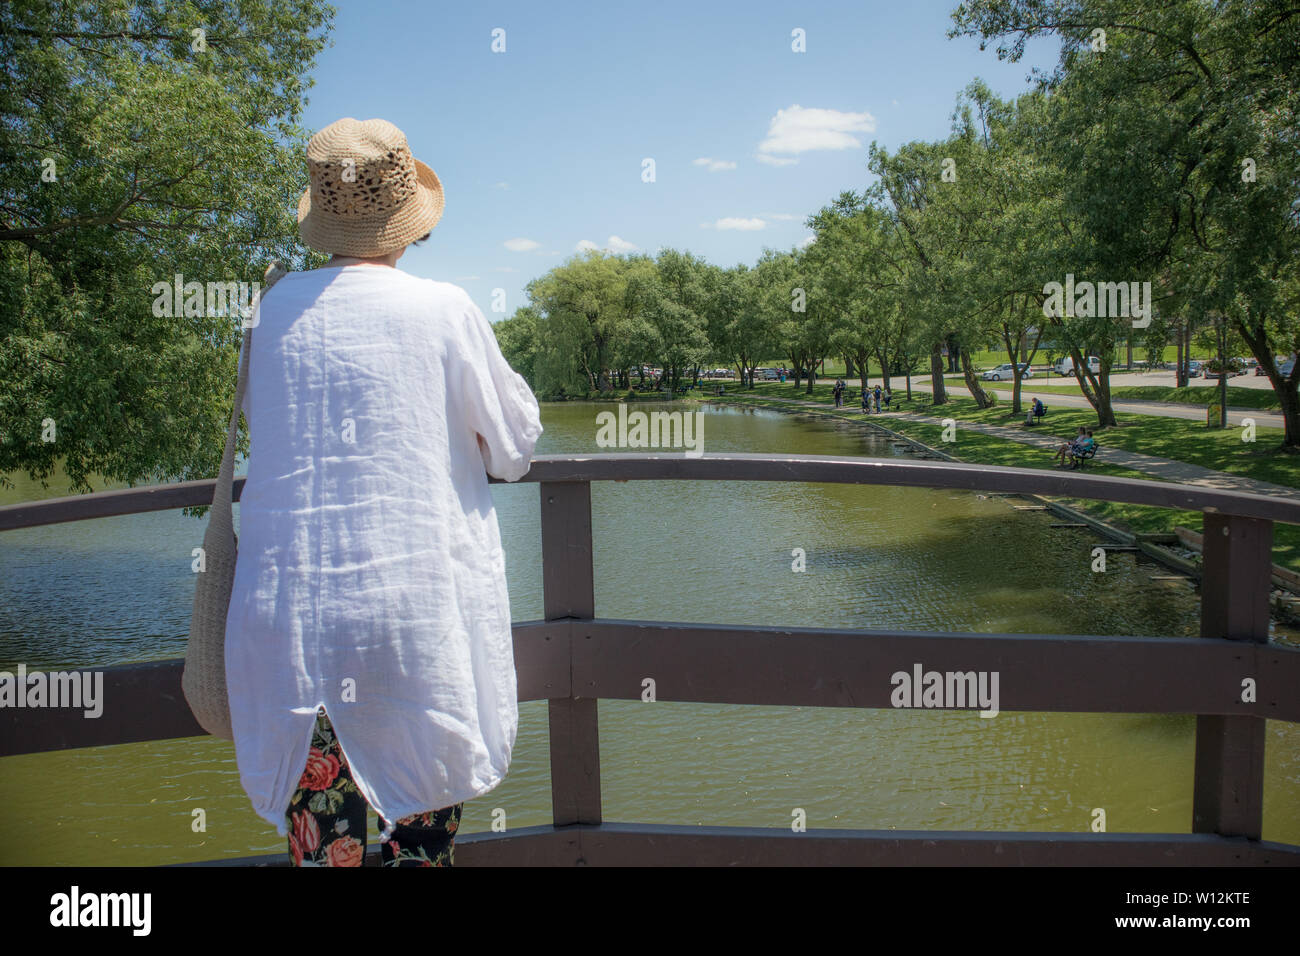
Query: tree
[1183,118]
[114,118]
[585,297]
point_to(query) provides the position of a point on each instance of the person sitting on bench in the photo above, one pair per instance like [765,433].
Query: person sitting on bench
[1039,408]
[1069,447]
[1083,450]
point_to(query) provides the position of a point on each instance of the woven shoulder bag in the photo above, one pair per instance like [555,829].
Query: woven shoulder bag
[204,677]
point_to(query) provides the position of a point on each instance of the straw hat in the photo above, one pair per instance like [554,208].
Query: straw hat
[369,196]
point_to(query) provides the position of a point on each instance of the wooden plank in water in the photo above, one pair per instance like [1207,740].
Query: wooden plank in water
[1029,507]
[1068,524]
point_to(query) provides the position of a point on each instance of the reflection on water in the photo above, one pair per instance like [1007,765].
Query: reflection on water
[119,589]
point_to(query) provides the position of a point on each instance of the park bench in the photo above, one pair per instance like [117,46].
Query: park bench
[1081,459]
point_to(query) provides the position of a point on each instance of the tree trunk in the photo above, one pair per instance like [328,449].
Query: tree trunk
[982,398]
[848,367]
[1013,350]
[1223,372]
[1096,389]
[939,392]
[1284,388]
[1180,373]
[884,371]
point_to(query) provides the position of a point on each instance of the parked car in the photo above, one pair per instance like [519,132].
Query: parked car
[1194,369]
[1066,365]
[1285,368]
[1005,371]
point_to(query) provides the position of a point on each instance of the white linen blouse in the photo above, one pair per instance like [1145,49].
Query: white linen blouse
[370,579]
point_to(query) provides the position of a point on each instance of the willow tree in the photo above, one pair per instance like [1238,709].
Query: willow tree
[139,141]
[584,302]
[1175,123]
[733,320]
[855,259]
[923,185]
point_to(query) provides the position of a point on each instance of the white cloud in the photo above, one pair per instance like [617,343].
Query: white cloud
[807,241]
[798,130]
[895,102]
[465,278]
[781,216]
[502,185]
[505,269]
[735,222]
[714,165]
[774,160]
[612,244]
[521,245]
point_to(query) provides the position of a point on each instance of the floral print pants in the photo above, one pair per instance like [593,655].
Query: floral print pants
[327,816]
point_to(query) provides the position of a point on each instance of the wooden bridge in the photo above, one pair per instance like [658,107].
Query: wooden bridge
[573,658]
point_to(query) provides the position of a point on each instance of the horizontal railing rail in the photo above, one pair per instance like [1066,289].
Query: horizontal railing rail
[573,658]
[771,666]
[733,467]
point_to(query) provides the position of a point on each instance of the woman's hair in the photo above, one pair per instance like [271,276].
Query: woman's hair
[421,239]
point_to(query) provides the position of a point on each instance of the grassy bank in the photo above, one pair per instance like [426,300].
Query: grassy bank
[1175,438]
[1139,433]
[1263,399]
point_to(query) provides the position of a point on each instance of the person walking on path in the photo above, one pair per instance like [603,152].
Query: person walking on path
[369,655]
[877,395]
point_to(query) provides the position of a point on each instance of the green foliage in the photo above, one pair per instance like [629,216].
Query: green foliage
[112,128]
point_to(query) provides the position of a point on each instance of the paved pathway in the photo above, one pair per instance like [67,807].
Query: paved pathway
[1164,468]
[1262,419]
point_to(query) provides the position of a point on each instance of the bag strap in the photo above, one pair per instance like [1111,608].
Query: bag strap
[224,492]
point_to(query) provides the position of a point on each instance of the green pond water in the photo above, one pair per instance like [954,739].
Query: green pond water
[117,590]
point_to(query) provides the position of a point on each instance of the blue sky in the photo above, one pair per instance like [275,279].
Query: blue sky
[540,148]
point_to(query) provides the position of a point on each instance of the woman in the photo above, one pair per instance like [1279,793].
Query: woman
[368,643]
[1068,447]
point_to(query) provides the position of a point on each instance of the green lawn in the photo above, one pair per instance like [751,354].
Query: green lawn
[988,358]
[1180,439]
[1177,438]
[1263,399]
[990,450]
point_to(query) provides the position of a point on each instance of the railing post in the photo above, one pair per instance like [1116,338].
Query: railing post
[568,592]
[1228,790]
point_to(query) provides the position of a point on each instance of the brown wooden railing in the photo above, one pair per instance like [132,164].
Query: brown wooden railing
[572,659]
